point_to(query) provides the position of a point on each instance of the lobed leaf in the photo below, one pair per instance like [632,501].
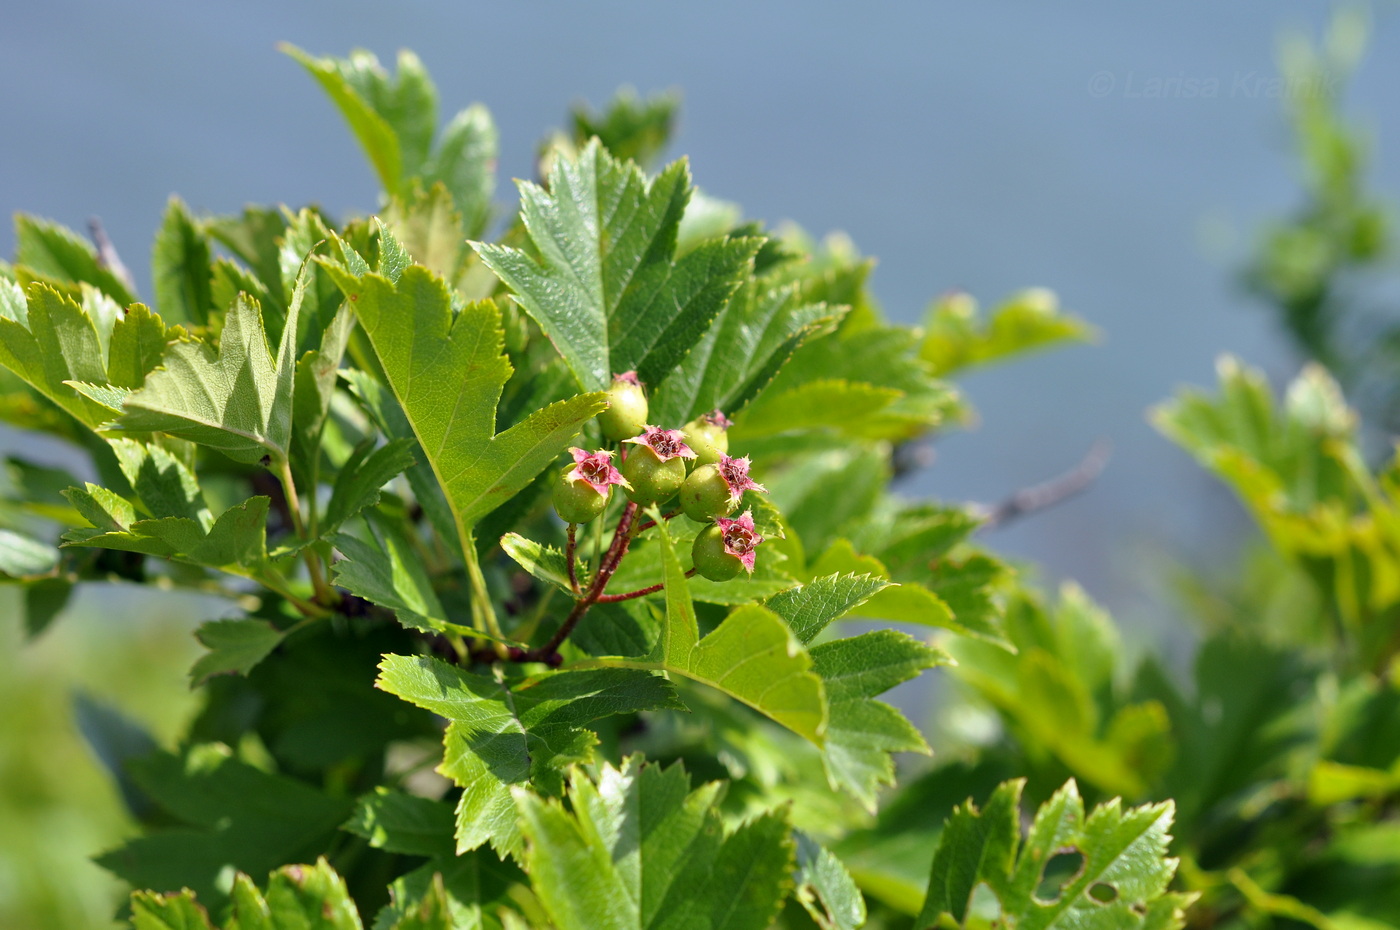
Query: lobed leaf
[607,288]
[639,849]
[506,734]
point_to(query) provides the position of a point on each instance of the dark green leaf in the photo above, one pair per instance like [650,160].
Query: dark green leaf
[235,646]
[641,850]
[607,289]
[506,734]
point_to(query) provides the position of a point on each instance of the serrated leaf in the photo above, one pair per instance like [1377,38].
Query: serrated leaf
[955,337]
[384,411]
[181,270]
[465,163]
[235,646]
[298,897]
[476,886]
[385,569]
[607,289]
[312,393]
[751,656]
[505,734]
[641,850]
[447,371]
[825,888]
[164,485]
[238,401]
[386,115]
[830,404]
[809,608]
[631,128]
[54,253]
[403,823]
[236,542]
[426,223]
[544,562]
[53,342]
[174,911]
[360,479]
[861,732]
[1124,850]
[753,336]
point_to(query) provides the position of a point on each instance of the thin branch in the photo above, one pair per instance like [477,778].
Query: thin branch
[640,592]
[622,538]
[107,255]
[1049,493]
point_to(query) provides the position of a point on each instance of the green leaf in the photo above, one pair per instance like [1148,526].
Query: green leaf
[640,850]
[229,814]
[826,889]
[756,332]
[544,562]
[386,569]
[955,338]
[235,646]
[476,886]
[810,608]
[49,341]
[447,371]
[181,270]
[403,823]
[238,402]
[1124,860]
[751,656]
[50,252]
[174,911]
[427,224]
[164,485]
[235,543]
[388,417]
[393,119]
[360,479]
[607,289]
[862,733]
[631,128]
[23,556]
[504,734]
[298,897]
[465,163]
[312,391]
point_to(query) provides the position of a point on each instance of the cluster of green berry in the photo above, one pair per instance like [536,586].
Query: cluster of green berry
[692,462]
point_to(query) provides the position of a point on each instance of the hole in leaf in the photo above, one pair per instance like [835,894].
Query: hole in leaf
[1104,894]
[1059,871]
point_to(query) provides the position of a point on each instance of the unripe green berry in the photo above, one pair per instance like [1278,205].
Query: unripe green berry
[708,437]
[706,495]
[626,415]
[652,480]
[578,501]
[710,558]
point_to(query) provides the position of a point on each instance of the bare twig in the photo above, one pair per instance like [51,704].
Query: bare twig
[107,255]
[1049,493]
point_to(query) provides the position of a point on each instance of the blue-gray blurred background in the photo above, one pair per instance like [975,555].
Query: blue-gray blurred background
[983,146]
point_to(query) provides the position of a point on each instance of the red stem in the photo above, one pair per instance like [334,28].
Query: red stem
[640,592]
[622,538]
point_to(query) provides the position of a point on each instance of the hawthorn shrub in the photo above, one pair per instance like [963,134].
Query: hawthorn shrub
[539,556]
